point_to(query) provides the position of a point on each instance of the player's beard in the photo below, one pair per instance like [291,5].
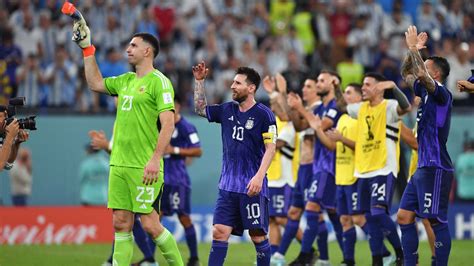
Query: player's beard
[323,93]
[239,98]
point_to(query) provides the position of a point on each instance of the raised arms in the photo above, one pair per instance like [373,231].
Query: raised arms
[416,42]
[200,72]
[407,70]
[82,37]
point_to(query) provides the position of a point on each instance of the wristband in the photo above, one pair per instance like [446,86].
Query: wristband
[176,150]
[88,51]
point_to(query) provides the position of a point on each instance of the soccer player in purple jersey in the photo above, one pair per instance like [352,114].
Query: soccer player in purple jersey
[305,170]
[322,188]
[248,136]
[427,192]
[176,196]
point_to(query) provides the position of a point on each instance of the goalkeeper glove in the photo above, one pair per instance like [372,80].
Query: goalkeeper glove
[81,35]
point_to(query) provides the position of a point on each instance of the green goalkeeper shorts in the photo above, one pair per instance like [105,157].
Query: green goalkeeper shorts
[127,191]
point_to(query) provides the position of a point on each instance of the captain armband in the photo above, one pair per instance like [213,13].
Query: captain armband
[270,136]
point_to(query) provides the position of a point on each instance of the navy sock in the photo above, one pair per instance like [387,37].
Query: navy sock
[191,240]
[336,224]
[274,248]
[409,243]
[376,236]
[323,241]
[218,253]
[291,229]
[365,229]
[263,253]
[310,232]
[141,238]
[442,243]
[389,230]
[349,237]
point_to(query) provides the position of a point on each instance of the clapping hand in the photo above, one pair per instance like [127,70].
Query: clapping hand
[334,135]
[294,101]
[269,84]
[315,122]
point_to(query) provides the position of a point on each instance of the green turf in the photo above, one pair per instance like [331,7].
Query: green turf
[462,253]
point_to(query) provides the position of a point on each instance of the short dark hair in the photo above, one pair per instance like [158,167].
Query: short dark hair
[377,76]
[151,40]
[332,73]
[357,87]
[252,75]
[442,64]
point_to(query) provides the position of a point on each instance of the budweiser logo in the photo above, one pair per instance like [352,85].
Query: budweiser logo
[44,232]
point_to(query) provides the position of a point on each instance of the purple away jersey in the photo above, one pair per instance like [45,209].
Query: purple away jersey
[242,143]
[434,119]
[323,157]
[184,136]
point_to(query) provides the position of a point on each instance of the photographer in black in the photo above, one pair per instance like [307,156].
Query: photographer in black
[13,133]
[11,142]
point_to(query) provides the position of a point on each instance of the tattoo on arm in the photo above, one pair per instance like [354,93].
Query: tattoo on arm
[200,101]
[407,71]
[420,71]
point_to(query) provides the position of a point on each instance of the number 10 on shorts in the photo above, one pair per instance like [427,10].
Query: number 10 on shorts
[253,211]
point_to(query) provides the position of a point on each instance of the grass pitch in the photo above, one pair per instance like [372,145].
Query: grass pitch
[462,254]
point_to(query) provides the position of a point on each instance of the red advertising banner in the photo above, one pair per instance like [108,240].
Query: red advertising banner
[55,225]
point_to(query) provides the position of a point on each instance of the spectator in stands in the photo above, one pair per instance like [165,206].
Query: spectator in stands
[465,173]
[61,76]
[27,35]
[21,178]
[11,55]
[363,40]
[147,23]
[30,79]
[460,69]
[427,20]
[112,34]
[48,38]
[393,31]
[350,71]
[296,72]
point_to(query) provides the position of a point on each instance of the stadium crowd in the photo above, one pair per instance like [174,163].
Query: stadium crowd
[293,37]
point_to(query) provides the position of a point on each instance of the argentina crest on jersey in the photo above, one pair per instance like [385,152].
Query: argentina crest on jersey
[249,123]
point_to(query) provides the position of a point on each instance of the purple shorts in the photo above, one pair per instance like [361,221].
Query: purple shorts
[299,193]
[176,199]
[323,190]
[375,191]
[279,200]
[241,212]
[427,193]
[347,199]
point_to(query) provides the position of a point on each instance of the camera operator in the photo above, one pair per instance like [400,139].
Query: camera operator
[13,137]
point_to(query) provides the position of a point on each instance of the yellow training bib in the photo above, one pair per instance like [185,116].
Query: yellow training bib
[345,156]
[371,147]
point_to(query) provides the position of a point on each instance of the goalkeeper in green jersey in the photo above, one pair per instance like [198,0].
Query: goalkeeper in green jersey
[136,167]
